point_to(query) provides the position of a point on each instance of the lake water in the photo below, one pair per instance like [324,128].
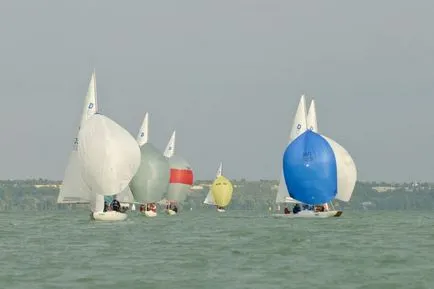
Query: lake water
[205,249]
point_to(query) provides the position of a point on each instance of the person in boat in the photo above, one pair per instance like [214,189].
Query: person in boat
[116,206]
[296,209]
[286,211]
[153,207]
[105,206]
[142,208]
[124,208]
[319,208]
[174,208]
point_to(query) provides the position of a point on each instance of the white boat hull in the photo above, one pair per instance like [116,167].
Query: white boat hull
[149,214]
[310,214]
[170,212]
[108,216]
[221,210]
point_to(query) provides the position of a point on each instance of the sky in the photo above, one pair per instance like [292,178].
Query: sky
[227,75]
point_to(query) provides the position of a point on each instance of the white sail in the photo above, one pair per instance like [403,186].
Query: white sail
[142,137]
[125,196]
[90,106]
[311,120]
[298,127]
[346,168]
[109,155]
[219,170]
[209,200]
[282,193]
[346,171]
[97,203]
[73,189]
[170,148]
[209,197]
[299,123]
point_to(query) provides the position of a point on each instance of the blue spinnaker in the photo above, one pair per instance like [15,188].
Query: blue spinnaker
[309,168]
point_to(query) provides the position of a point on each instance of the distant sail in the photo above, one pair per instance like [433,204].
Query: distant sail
[74,189]
[152,178]
[209,200]
[109,155]
[142,136]
[222,191]
[181,174]
[170,148]
[181,179]
[311,119]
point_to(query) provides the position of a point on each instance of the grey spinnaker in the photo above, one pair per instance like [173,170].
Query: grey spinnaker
[152,179]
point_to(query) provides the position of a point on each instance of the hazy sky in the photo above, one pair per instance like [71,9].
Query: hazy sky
[226,74]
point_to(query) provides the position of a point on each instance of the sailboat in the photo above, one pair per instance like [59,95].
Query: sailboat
[317,169]
[73,189]
[109,158]
[152,179]
[220,193]
[181,177]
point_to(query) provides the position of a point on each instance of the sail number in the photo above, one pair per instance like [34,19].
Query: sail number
[307,156]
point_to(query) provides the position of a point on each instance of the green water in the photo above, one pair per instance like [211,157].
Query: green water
[204,249]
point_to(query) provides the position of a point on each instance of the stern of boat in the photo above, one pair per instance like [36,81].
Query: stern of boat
[338,214]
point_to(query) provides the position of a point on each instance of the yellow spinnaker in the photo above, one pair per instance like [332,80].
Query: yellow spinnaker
[222,191]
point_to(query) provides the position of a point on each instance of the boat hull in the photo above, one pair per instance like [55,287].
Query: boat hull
[221,210]
[310,214]
[170,212]
[109,216]
[149,214]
